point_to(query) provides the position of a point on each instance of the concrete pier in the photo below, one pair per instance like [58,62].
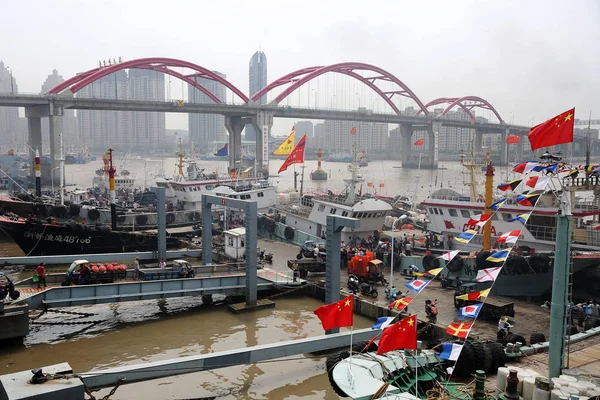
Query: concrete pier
[14,321]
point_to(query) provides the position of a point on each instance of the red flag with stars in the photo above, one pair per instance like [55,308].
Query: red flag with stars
[337,314]
[401,335]
[557,130]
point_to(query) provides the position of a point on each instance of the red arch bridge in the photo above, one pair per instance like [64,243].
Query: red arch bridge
[250,110]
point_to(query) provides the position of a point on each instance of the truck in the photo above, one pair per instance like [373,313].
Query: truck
[306,265]
[81,272]
[492,309]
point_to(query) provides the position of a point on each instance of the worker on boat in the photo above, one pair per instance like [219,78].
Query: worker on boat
[503,329]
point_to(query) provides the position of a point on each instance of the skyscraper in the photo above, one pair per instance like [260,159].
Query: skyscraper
[70,137]
[207,128]
[257,80]
[148,128]
[9,116]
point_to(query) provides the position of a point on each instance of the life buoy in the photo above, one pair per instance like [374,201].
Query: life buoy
[289,233]
[141,219]
[430,262]
[170,218]
[93,214]
[141,239]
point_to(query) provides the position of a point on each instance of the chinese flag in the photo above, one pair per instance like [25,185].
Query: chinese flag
[555,131]
[337,314]
[296,156]
[401,335]
[420,142]
[513,139]
[353,131]
[459,329]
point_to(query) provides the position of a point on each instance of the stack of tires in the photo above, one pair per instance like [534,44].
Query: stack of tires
[479,355]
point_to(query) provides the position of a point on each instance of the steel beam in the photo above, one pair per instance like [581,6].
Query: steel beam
[250,209]
[209,361]
[335,224]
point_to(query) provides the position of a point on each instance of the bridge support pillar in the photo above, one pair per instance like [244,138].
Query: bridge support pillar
[235,126]
[335,225]
[478,141]
[433,130]
[406,132]
[262,123]
[504,147]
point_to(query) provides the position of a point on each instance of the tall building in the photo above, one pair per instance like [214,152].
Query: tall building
[147,128]
[304,128]
[70,136]
[204,129]
[257,80]
[9,116]
[100,130]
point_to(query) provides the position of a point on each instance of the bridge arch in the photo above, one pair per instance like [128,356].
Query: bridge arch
[298,78]
[163,65]
[467,103]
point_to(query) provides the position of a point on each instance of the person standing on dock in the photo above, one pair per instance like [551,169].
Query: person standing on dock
[41,273]
[162,264]
[136,265]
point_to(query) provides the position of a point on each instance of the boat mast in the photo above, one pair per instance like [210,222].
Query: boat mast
[111,176]
[489,190]
[62,171]
[587,140]
[180,160]
[353,168]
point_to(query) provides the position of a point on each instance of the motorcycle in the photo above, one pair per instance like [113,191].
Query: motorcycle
[431,310]
[7,288]
[355,286]
[368,290]
[264,256]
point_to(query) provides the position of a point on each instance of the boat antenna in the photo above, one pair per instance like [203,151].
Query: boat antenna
[180,161]
[587,140]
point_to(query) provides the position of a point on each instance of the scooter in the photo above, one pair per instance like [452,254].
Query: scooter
[431,310]
[353,284]
[7,288]
[368,290]
[264,256]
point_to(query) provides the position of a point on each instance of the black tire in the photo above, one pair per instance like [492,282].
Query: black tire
[481,262]
[303,273]
[536,338]
[14,294]
[539,263]
[60,211]
[482,361]
[498,356]
[329,365]
[289,233]
[360,347]
[170,218]
[464,366]
[430,262]
[456,265]
[514,338]
[74,209]
[141,219]
[374,294]
[93,214]
[299,256]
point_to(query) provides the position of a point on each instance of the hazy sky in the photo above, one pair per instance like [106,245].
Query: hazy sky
[530,59]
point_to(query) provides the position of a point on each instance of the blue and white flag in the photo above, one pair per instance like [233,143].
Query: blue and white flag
[469,311]
[450,351]
[416,285]
[382,322]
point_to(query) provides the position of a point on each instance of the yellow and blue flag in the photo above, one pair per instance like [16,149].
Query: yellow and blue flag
[521,217]
[466,236]
[528,199]
[496,205]
[499,256]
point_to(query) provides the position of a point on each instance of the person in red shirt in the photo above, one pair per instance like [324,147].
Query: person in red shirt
[41,273]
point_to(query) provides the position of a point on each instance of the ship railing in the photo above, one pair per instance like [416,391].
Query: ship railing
[277,232]
[541,232]
[581,181]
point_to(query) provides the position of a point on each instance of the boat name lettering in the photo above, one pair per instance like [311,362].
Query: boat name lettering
[466,227]
[56,238]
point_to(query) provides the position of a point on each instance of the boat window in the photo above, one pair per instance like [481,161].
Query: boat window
[431,211]
[435,211]
[370,215]
[465,213]
[344,213]
[261,194]
[506,216]
[453,212]
[321,207]
[441,211]
[495,217]
[333,211]
[209,187]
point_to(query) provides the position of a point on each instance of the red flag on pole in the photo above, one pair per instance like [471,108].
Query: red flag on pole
[337,314]
[420,142]
[401,335]
[296,156]
[353,131]
[513,139]
[557,130]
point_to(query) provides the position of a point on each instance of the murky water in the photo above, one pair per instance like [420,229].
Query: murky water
[139,332]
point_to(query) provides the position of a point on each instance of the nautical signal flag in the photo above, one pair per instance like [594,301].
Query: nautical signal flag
[525,167]
[497,204]
[466,236]
[512,185]
[521,218]
[287,146]
[459,329]
[416,285]
[419,142]
[400,304]
[449,255]
[474,295]
[470,311]
[479,220]
[296,156]
[337,314]
[353,131]
[433,272]
[450,351]
[513,139]
[509,237]
[557,130]
[538,182]
[573,173]
[551,169]
[488,274]
[383,322]
[401,335]
[499,256]
[223,151]
[528,199]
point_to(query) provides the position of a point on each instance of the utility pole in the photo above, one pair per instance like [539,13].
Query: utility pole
[587,140]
